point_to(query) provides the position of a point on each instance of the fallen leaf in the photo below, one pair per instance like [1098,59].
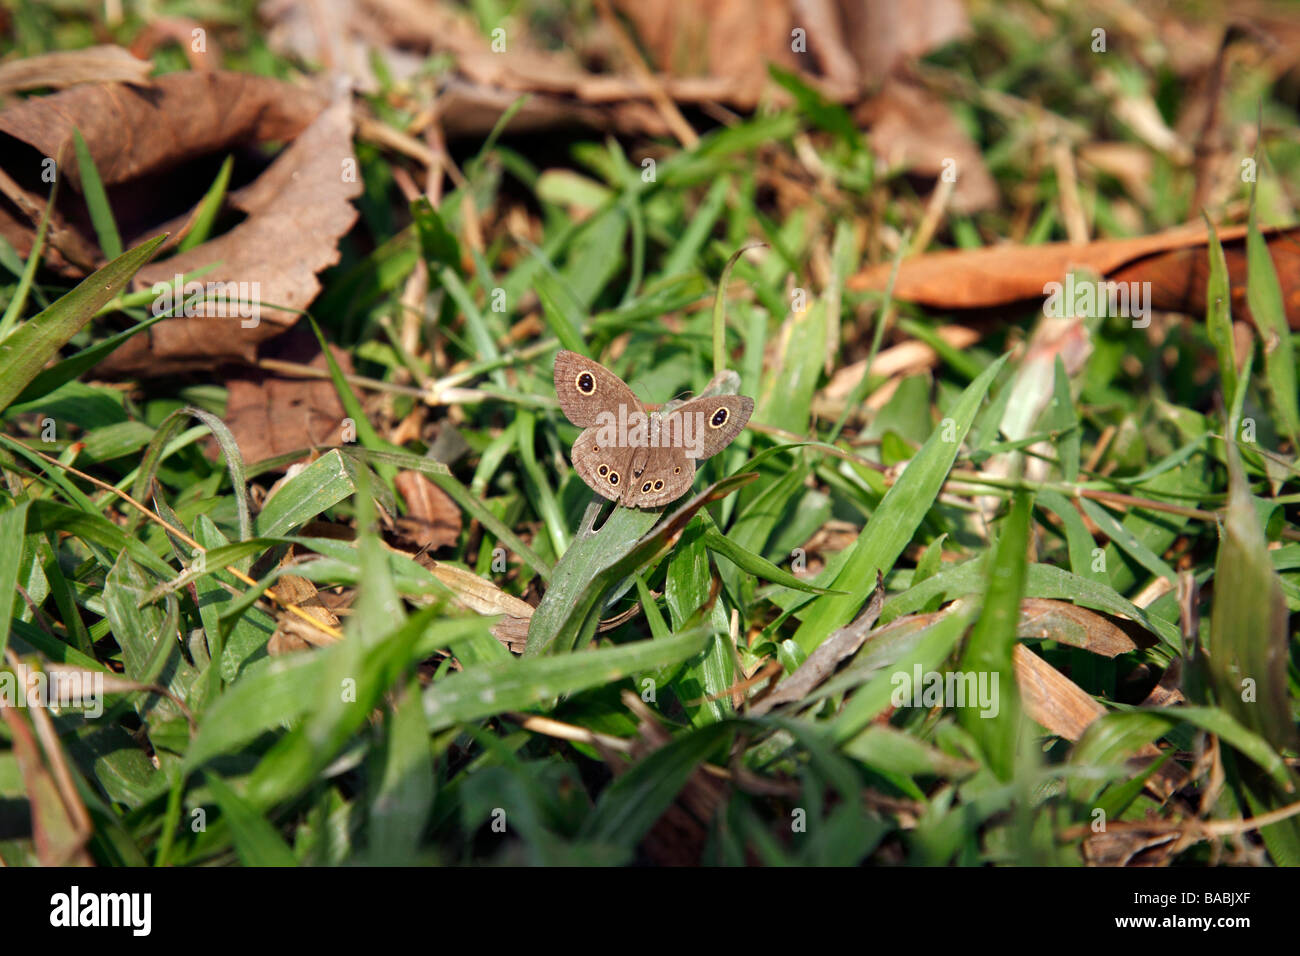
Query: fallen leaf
[1070,624]
[96,64]
[188,116]
[821,663]
[846,44]
[1174,262]
[1130,847]
[271,414]
[913,129]
[1054,701]
[297,211]
[434,520]
[483,597]
[731,39]
[292,633]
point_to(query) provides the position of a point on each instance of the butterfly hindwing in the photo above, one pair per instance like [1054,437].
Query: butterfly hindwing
[659,475]
[606,470]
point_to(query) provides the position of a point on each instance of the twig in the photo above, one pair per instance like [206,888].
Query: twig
[663,103]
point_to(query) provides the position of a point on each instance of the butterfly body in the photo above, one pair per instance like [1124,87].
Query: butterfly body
[634,456]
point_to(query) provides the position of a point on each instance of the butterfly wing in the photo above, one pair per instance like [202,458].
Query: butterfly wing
[715,421]
[606,470]
[659,475]
[586,388]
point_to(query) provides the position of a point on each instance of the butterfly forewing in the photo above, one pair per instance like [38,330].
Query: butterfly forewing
[717,421]
[586,388]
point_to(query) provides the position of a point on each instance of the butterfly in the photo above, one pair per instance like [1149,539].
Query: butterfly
[637,457]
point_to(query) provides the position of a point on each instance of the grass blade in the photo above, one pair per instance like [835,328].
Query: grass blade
[1218,315]
[92,188]
[208,208]
[1264,296]
[895,522]
[15,307]
[994,637]
[24,353]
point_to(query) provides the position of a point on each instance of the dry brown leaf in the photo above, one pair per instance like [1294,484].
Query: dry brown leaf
[1054,701]
[1069,624]
[297,211]
[1130,847]
[848,44]
[913,129]
[434,520]
[191,118]
[272,414]
[186,115]
[57,71]
[821,663]
[1174,262]
[292,633]
[483,597]
[732,39]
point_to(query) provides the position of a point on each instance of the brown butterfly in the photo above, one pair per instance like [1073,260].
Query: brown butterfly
[630,454]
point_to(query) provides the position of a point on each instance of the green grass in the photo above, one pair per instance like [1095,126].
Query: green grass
[125,551]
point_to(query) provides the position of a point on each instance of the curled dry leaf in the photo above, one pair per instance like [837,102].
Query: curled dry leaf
[1130,847]
[1174,262]
[96,64]
[1054,701]
[147,143]
[292,633]
[434,520]
[821,663]
[297,211]
[483,597]
[185,114]
[1070,624]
